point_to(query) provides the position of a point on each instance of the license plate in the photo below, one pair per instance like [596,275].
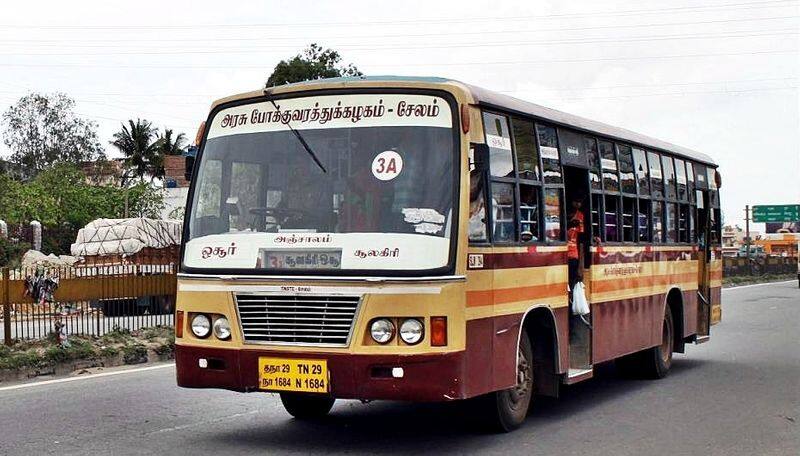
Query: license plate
[300,375]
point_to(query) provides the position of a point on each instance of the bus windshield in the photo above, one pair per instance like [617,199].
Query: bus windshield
[380,198]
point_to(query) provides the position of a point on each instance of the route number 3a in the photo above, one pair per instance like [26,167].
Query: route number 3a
[387,165]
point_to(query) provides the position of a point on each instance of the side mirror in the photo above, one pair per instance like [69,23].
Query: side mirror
[479,157]
[191,153]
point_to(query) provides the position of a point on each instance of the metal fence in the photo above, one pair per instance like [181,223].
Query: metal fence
[755,266]
[91,300]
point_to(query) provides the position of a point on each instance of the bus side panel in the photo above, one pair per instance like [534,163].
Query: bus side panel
[478,371]
[628,292]
[625,326]
[716,286]
[503,283]
[689,313]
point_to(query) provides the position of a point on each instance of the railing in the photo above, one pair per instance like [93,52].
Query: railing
[90,300]
[756,266]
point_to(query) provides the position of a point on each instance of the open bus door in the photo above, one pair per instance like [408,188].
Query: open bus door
[703,266]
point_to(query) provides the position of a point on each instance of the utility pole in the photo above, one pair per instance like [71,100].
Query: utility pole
[747,229]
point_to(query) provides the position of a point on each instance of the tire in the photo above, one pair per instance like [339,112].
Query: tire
[307,406]
[653,363]
[504,411]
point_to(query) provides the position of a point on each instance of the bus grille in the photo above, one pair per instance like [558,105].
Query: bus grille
[297,320]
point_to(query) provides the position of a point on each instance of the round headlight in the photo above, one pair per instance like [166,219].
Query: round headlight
[201,326]
[411,331]
[222,328]
[382,330]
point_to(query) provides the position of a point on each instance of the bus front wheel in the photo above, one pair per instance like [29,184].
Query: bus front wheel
[504,411]
[307,406]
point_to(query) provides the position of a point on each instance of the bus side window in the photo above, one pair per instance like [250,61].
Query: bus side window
[548,150]
[597,209]
[642,175]
[529,211]
[498,137]
[683,223]
[552,214]
[658,222]
[594,163]
[671,218]
[656,180]
[477,208]
[503,212]
[643,222]
[611,218]
[628,208]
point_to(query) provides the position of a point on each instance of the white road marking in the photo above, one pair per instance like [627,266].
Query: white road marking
[204,422]
[756,285]
[84,377]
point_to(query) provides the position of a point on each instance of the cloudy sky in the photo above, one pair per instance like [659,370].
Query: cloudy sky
[718,76]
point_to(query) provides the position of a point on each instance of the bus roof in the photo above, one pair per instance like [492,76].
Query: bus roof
[501,101]
[489,98]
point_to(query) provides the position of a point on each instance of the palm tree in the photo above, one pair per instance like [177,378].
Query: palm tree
[168,146]
[142,155]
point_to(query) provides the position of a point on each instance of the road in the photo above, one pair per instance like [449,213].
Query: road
[737,394]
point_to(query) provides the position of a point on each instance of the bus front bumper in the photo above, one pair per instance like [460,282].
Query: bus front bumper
[426,378]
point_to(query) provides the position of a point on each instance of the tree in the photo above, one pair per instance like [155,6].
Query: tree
[141,151]
[169,146]
[42,130]
[313,63]
[62,200]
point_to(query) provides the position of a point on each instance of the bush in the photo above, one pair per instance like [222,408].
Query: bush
[117,334]
[109,352]
[134,354]
[11,252]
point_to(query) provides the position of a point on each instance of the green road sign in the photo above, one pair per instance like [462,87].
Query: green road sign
[778,213]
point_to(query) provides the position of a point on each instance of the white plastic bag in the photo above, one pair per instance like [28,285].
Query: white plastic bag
[580,306]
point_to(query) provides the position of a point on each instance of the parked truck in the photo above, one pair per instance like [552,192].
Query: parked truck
[139,246]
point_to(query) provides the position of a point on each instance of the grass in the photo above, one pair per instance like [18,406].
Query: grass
[132,346]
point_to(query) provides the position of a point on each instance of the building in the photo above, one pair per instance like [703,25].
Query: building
[176,187]
[103,172]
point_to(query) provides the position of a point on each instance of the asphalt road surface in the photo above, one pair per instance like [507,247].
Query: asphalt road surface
[737,394]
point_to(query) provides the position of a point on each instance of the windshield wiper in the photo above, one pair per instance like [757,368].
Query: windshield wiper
[298,136]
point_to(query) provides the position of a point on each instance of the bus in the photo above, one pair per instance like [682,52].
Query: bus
[406,238]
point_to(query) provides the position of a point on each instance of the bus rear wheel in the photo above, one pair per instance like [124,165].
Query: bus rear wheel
[307,406]
[504,411]
[654,362]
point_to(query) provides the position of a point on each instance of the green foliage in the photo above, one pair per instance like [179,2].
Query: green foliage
[62,200]
[18,360]
[313,63]
[78,348]
[138,142]
[42,130]
[11,252]
[116,334]
[109,352]
[134,354]
[167,145]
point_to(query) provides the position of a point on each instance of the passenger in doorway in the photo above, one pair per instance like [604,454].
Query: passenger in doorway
[574,252]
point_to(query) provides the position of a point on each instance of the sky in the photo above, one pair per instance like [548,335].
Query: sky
[717,76]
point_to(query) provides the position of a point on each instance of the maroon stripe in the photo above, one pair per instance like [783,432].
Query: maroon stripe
[523,260]
[640,256]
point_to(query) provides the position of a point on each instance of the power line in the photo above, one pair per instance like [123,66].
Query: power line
[132,41]
[258,49]
[408,64]
[705,8]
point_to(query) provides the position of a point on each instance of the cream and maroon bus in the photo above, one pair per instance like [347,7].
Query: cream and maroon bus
[405,238]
